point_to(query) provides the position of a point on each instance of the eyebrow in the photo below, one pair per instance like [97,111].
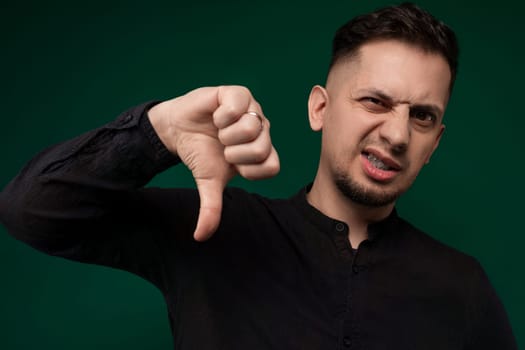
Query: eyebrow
[384,96]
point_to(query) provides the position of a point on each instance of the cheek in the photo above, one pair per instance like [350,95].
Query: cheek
[345,131]
[351,130]
[422,154]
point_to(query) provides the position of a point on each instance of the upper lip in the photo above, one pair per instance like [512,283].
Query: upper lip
[383,157]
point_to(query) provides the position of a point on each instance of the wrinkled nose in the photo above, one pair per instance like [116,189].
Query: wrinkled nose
[395,131]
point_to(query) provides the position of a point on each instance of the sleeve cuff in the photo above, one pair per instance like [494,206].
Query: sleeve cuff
[162,156]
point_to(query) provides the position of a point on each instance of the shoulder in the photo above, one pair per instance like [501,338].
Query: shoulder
[426,243]
[428,251]
[431,267]
[258,207]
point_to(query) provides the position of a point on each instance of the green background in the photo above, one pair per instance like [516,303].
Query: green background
[67,67]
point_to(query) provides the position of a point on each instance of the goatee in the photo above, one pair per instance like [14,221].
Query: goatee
[364,196]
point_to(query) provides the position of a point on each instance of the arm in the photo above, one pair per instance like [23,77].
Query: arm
[489,326]
[83,199]
[73,184]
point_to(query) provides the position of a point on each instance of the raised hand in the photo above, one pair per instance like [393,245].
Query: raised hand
[217,132]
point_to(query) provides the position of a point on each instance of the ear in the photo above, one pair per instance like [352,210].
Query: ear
[317,103]
[436,143]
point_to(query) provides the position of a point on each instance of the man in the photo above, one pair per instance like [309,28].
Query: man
[332,267]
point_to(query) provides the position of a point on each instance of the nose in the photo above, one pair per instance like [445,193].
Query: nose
[395,130]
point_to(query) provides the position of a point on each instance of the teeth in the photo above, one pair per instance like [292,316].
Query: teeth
[377,162]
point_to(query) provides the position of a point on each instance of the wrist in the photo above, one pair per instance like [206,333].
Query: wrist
[158,116]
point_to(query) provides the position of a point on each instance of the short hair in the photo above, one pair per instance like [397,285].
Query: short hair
[406,22]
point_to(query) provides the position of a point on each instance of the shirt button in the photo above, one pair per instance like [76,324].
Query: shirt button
[347,342]
[339,227]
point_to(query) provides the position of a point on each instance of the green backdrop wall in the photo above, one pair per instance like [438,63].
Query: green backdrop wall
[70,66]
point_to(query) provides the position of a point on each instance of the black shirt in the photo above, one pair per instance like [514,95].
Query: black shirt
[278,274]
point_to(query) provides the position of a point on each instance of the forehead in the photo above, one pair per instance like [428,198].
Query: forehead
[403,71]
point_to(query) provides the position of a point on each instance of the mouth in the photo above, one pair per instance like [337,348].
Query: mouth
[381,162]
[379,168]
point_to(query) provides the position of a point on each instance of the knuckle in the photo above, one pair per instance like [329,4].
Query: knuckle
[250,175]
[229,155]
[231,110]
[250,131]
[223,137]
[243,90]
[257,106]
[237,92]
[260,154]
[273,167]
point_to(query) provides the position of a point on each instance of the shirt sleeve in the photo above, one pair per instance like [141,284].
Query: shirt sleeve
[489,326]
[84,199]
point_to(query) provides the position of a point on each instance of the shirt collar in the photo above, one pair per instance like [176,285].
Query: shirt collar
[327,224]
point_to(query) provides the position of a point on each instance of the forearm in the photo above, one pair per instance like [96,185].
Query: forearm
[71,186]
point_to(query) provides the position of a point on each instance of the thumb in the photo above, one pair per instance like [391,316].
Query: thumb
[210,193]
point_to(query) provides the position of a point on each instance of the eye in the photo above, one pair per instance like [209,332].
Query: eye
[372,100]
[423,117]
[374,104]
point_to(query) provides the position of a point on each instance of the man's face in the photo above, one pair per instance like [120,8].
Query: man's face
[381,117]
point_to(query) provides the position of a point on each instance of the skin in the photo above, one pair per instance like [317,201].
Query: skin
[209,130]
[388,100]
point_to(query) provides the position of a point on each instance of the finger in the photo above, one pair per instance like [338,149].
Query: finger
[245,130]
[234,101]
[210,193]
[254,152]
[269,168]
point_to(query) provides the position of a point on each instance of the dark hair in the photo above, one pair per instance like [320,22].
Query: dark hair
[406,22]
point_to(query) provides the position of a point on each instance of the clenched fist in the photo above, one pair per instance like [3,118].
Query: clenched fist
[218,132]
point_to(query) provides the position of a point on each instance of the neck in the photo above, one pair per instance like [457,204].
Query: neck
[326,198]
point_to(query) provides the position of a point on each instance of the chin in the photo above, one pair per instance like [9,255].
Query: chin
[372,195]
